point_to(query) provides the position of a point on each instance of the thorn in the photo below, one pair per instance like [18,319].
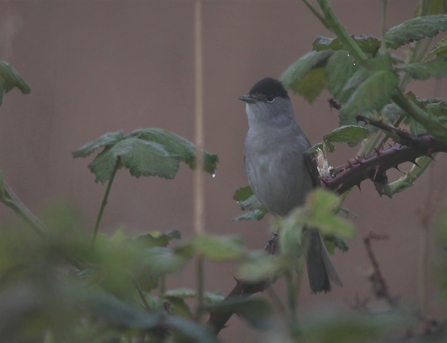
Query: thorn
[378,153]
[350,164]
[415,163]
[359,161]
[358,186]
[377,170]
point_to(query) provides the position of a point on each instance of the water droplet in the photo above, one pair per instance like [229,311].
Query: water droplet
[213,175]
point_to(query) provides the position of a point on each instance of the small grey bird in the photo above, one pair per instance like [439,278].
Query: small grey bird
[279,172]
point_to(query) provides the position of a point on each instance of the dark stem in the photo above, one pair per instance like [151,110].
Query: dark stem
[104,203]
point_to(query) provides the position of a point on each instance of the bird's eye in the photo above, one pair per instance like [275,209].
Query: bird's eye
[270,98]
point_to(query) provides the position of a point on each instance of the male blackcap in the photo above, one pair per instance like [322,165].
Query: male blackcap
[278,171]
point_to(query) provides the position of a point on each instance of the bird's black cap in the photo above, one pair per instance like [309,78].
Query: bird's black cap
[270,88]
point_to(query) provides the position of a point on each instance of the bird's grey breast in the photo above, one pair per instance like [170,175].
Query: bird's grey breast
[276,168]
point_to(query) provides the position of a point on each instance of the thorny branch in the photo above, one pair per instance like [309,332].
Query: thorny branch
[407,148]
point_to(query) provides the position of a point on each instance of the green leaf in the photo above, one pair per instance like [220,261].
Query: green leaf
[375,83]
[155,239]
[321,204]
[339,69]
[392,112]
[176,145]
[335,242]
[255,311]
[187,293]
[347,134]
[262,267]
[106,140]
[311,85]
[9,78]
[243,193]
[424,70]
[257,214]
[219,248]
[304,65]
[142,158]
[128,316]
[416,29]
[368,44]
[439,49]
[158,261]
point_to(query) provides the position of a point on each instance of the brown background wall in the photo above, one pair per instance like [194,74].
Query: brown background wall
[100,66]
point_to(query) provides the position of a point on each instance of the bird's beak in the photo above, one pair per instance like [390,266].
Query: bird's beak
[247,98]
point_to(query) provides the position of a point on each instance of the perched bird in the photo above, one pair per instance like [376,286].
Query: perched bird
[279,172]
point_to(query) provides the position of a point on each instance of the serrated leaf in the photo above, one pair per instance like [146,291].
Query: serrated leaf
[416,29]
[243,193]
[9,78]
[345,134]
[142,158]
[368,44]
[252,203]
[255,311]
[311,85]
[257,214]
[339,69]
[304,65]
[176,145]
[107,139]
[219,248]
[424,70]
[439,49]
[373,94]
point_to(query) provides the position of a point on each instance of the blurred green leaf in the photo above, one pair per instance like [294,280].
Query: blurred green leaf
[416,29]
[298,70]
[339,69]
[156,239]
[219,248]
[368,44]
[260,267]
[187,293]
[342,331]
[243,193]
[375,84]
[159,261]
[9,78]
[255,311]
[335,242]
[424,70]
[257,214]
[311,85]
[439,49]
